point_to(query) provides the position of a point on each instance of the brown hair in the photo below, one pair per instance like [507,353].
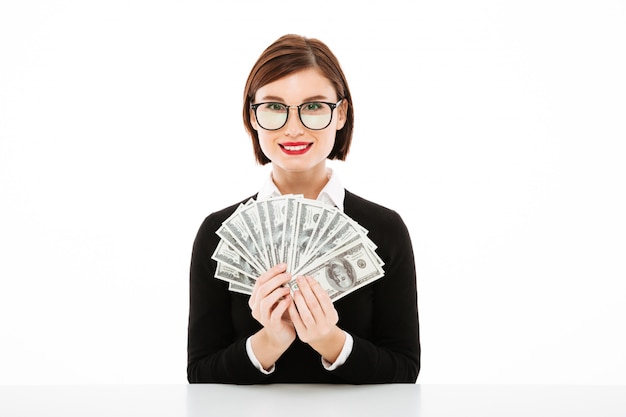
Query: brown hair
[289,54]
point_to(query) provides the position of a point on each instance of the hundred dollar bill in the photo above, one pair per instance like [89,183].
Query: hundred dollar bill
[229,274]
[275,214]
[331,227]
[325,218]
[289,231]
[250,218]
[226,254]
[345,232]
[235,232]
[348,270]
[234,245]
[324,253]
[310,212]
[239,288]
[266,232]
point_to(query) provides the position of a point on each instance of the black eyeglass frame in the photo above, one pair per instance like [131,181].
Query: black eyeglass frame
[332,106]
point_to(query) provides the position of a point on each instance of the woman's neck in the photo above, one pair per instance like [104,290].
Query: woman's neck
[309,183]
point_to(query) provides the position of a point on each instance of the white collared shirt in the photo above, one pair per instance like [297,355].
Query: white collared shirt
[333,194]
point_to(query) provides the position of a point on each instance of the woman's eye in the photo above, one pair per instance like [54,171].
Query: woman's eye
[313,106]
[275,106]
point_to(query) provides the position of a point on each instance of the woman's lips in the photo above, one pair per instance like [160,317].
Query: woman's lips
[295,148]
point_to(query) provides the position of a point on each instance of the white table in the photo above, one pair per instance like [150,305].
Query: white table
[313,400]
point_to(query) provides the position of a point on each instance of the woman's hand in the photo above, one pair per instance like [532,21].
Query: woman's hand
[315,319]
[269,302]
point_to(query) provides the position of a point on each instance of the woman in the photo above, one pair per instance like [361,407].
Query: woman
[298,111]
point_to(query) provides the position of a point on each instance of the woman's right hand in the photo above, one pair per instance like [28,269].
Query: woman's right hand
[269,302]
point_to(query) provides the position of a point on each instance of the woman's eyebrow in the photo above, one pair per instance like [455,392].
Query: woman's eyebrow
[315,98]
[271,98]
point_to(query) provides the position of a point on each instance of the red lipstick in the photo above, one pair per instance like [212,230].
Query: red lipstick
[295,148]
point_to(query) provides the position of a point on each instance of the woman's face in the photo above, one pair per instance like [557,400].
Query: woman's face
[294,148]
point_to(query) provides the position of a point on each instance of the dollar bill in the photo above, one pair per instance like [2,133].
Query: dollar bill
[309,215]
[326,217]
[241,289]
[331,227]
[229,274]
[289,231]
[250,218]
[346,232]
[275,208]
[266,232]
[346,271]
[235,232]
[226,254]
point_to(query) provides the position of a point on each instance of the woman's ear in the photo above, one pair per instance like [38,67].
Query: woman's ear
[342,113]
[253,121]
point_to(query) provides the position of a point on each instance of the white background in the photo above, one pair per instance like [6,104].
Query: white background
[495,128]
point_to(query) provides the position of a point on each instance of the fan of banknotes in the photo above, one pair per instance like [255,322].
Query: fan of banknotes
[311,237]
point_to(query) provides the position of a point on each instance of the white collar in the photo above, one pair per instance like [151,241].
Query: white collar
[332,193]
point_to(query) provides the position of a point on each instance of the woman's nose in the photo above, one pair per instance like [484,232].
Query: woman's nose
[294,125]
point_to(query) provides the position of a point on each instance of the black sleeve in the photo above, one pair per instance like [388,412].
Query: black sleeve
[392,354]
[216,352]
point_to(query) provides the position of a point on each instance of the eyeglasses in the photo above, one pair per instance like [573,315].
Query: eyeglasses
[314,115]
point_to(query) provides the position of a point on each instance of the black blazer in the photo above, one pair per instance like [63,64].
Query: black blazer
[382,316]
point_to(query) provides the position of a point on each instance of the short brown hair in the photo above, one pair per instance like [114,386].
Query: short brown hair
[289,54]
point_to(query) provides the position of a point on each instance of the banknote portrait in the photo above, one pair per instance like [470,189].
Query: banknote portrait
[340,274]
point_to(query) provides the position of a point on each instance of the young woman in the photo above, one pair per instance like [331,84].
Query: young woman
[298,111]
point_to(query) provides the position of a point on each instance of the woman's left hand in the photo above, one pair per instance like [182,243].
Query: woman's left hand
[315,319]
